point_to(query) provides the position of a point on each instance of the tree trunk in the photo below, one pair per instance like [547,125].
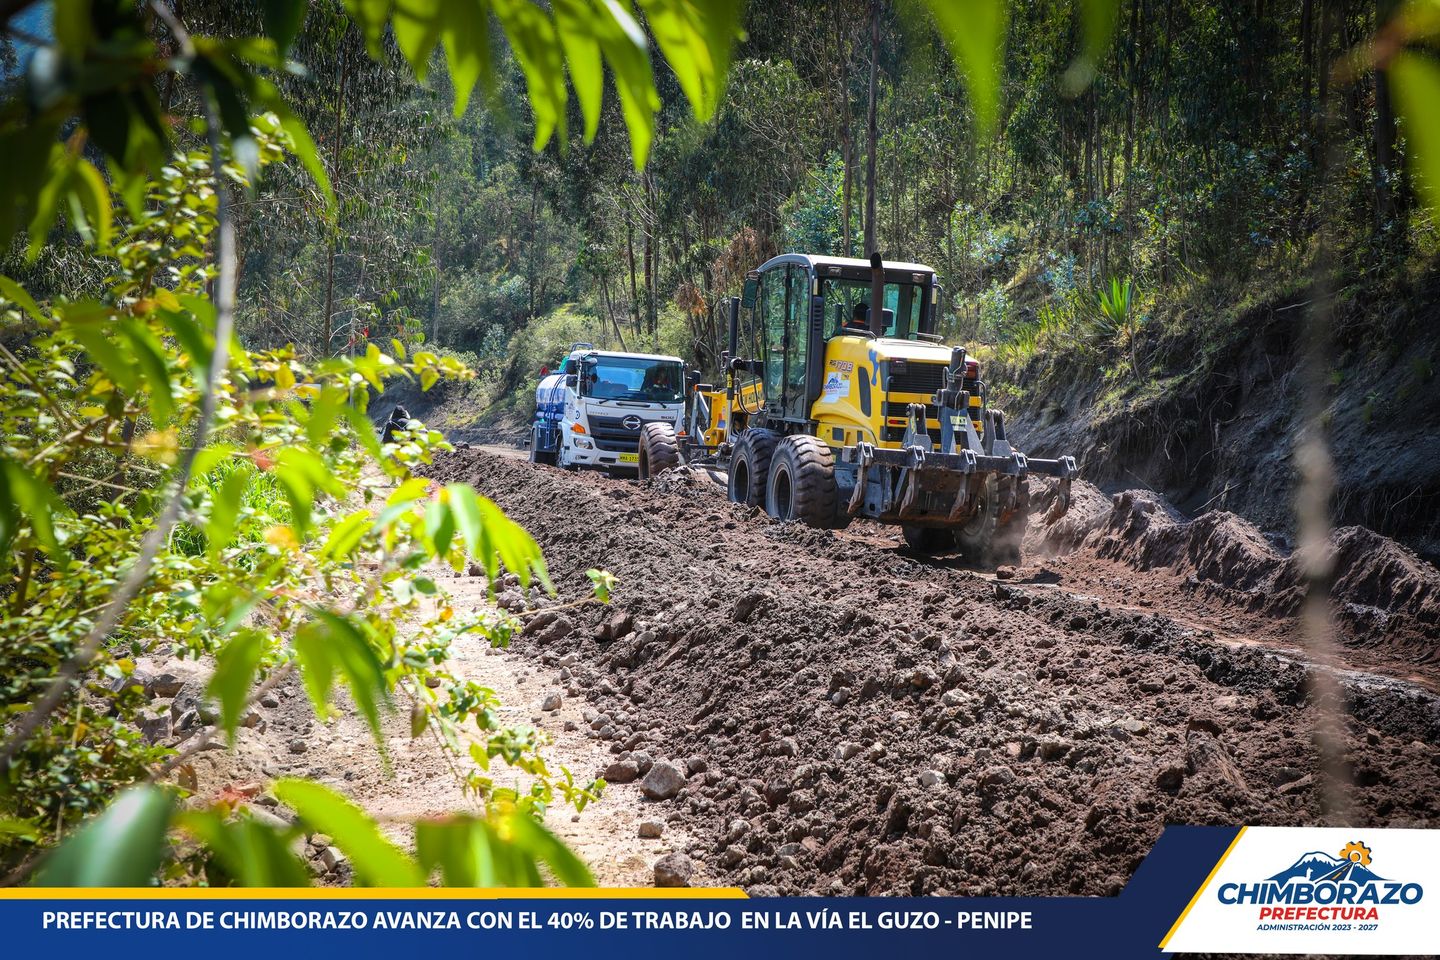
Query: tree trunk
[630,257]
[534,227]
[652,258]
[327,326]
[1386,173]
[871,130]
[1134,84]
[846,148]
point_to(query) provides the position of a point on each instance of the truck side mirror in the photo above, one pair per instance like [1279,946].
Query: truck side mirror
[572,380]
[747,297]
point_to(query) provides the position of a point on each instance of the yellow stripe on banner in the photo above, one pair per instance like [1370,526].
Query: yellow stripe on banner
[372,893]
[1196,899]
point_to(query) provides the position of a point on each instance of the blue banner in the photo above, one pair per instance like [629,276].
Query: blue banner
[694,924]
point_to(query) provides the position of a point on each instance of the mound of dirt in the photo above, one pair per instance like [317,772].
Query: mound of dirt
[1384,593]
[848,719]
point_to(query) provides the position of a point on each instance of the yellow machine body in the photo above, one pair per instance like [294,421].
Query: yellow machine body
[856,405]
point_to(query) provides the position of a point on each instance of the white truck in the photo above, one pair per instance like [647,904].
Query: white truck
[594,409]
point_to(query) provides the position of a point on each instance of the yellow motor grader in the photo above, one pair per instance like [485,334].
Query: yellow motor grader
[849,405]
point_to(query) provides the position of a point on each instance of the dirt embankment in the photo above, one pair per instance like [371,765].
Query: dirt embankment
[857,720]
[1218,415]
[1387,599]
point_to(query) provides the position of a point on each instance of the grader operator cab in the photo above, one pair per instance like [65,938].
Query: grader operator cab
[848,404]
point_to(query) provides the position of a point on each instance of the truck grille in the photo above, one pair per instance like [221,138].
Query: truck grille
[915,377]
[611,435]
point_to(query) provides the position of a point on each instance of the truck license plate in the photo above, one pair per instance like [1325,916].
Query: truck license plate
[629,458]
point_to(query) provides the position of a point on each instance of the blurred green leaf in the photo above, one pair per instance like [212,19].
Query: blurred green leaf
[149,354]
[283,20]
[1097,20]
[537,50]
[573,22]
[409,491]
[363,672]
[493,538]
[697,40]
[346,535]
[974,30]
[466,36]
[531,837]
[417,30]
[329,644]
[627,51]
[225,510]
[122,847]
[89,187]
[302,473]
[36,501]
[377,861]
[235,667]
[17,295]
[439,526]
[1415,85]
[90,325]
[317,663]
[371,17]
[253,853]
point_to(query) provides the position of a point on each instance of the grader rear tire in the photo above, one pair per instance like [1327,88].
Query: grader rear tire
[750,466]
[659,449]
[976,536]
[1006,546]
[926,540]
[802,482]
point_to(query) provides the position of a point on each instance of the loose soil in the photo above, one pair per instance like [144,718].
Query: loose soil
[857,719]
[287,739]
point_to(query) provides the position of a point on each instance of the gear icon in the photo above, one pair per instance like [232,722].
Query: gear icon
[1356,852]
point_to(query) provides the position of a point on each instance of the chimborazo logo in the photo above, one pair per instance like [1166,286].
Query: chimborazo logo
[1324,888]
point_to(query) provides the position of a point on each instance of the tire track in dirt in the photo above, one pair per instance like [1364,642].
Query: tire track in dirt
[869,723]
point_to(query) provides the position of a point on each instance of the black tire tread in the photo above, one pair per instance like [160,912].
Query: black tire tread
[813,490]
[757,448]
[927,540]
[976,547]
[1007,543]
[659,449]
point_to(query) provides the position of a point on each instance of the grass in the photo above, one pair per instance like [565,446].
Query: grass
[263,505]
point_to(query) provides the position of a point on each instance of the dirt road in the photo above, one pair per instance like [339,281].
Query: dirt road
[860,720]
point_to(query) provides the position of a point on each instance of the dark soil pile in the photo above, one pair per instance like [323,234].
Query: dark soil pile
[1385,595]
[855,720]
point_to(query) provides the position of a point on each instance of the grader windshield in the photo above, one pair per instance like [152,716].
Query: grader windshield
[902,305]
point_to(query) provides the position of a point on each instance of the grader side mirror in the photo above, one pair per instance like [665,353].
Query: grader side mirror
[747,298]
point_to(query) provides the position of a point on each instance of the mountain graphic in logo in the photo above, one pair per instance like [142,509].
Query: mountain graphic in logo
[1352,866]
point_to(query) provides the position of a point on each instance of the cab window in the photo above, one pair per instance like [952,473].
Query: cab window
[901,303]
[772,321]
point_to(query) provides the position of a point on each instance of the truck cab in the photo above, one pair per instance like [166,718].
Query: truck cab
[591,412]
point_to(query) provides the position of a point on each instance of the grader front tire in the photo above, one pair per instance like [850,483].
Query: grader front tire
[802,482]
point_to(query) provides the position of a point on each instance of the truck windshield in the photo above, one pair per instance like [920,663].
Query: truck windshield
[632,378]
[902,305]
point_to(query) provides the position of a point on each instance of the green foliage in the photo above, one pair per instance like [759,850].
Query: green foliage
[301,551]
[122,847]
[1415,82]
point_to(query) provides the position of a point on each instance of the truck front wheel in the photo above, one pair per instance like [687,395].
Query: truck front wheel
[659,449]
[537,455]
